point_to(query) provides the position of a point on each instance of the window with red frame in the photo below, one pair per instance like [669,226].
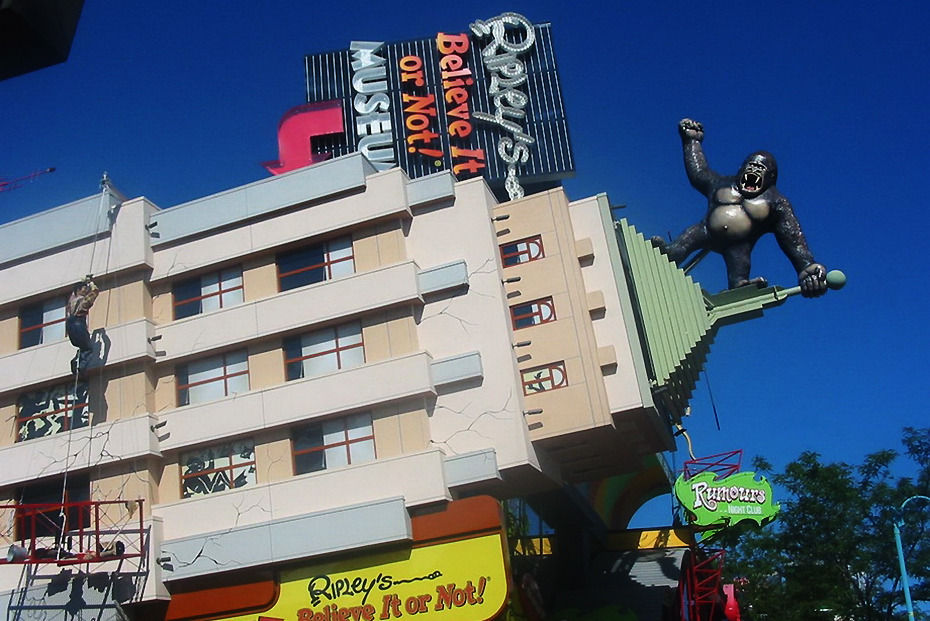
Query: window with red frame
[322,261]
[217,468]
[52,410]
[42,322]
[532,313]
[541,379]
[207,292]
[522,251]
[212,378]
[323,351]
[333,443]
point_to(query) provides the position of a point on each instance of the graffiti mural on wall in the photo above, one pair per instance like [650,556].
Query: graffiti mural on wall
[52,410]
[218,468]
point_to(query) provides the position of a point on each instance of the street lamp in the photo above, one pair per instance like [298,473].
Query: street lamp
[898,520]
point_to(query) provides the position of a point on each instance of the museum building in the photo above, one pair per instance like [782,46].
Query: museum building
[329,372]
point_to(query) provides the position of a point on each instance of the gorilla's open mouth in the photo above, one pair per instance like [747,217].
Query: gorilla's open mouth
[751,181]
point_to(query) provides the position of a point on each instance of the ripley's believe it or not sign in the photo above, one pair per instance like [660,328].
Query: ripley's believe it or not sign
[453,581]
[454,569]
[486,101]
[724,502]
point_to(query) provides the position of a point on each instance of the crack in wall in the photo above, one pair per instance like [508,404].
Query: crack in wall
[241,511]
[464,324]
[215,538]
[495,414]
[201,553]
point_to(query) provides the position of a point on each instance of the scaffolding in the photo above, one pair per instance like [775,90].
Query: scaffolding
[72,533]
[701,596]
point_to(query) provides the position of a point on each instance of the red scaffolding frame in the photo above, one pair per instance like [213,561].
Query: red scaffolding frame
[700,590]
[70,533]
[721,464]
[700,586]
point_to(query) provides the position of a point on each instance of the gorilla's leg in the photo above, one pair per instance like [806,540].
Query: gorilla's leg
[694,238]
[738,262]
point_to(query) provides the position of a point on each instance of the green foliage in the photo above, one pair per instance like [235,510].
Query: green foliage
[831,553]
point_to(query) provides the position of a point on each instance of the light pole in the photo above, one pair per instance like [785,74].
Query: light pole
[898,520]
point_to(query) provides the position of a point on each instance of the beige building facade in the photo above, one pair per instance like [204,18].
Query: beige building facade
[333,351]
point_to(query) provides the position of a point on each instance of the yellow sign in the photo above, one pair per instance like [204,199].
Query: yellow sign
[463,580]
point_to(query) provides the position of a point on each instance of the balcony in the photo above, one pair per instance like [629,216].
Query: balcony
[417,478]
[269,213]
[54,249]
[43,363]
[98,445]
[300,400]
[324,301]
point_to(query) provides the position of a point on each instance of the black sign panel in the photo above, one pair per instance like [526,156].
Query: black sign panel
[484,101]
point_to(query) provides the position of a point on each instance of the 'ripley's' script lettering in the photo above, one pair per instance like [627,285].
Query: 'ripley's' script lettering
[325,587]
[507,73]
[333,589]
[372,105]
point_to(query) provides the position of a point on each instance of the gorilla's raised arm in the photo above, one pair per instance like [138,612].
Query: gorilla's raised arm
[700,174]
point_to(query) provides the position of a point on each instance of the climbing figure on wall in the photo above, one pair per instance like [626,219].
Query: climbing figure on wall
[83,295]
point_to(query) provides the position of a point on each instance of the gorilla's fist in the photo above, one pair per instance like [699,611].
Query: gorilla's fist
[813,280]
[690,130]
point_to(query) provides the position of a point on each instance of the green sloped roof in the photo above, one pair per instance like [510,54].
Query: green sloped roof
[672,315]
[676,319]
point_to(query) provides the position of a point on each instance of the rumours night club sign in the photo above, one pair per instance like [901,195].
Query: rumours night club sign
[710,501]
[481,102]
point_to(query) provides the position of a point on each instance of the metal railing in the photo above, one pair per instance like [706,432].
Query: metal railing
[70,533]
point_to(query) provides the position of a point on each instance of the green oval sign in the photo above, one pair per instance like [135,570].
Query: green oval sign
[724,502]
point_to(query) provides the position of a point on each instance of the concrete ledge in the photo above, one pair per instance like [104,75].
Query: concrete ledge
[431,190]
[305,221]
[468,468]
[417,478]
[53,270]
[323,532]
[443,278]
[44,363]
[456,369]
[104,443]
[324,301]
[288,403]
[47,230]
[262,197]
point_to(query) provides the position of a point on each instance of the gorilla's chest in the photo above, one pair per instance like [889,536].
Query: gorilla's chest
[733,217]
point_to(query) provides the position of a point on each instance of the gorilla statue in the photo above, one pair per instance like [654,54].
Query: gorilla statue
[740,210]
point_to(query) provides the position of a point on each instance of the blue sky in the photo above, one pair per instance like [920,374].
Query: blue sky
[181,100]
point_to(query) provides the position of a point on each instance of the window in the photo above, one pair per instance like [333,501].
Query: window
[325,350]
[541,379]
[217,468]
[43,322]
[46,521]
[532,313]
[333,443]
[323,261]
[52,410]
[522,251]
[213,378]
[207,292]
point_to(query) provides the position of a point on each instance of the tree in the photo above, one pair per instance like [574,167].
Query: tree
[830,554]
